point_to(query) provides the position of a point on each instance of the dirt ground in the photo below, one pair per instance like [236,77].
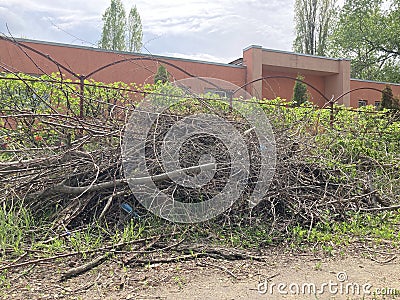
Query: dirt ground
[366,275]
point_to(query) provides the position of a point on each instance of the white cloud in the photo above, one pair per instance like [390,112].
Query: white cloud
[199,56]
[200,29]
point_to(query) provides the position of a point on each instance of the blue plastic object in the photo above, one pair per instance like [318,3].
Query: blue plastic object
[127,208]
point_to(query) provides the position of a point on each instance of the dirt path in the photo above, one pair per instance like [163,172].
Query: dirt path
[288,278]
[281,276]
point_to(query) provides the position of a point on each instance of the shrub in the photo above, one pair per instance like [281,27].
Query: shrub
[300,94]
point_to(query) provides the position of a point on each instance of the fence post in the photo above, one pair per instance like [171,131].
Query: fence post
[81,103]
[81,96]
[332,117]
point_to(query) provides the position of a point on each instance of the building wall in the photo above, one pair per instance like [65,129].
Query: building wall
[282,87]
[252,60]
[330,76]
[84,60]
[338,84]
[370,96]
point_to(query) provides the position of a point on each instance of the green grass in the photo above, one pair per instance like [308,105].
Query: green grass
[20,232]
[378,228]
[15,228]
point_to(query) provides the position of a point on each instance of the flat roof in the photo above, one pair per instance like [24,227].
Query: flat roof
[372,81]
[293,53]
[122,52]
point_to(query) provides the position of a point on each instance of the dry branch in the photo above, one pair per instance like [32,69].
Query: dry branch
[72,190]
[85,267]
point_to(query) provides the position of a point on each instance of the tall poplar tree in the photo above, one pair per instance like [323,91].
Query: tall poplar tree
[135,31]
[114,27]
[313,22]
[120,33]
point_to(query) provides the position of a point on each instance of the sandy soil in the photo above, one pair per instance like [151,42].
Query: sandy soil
[293,278]
[280,276]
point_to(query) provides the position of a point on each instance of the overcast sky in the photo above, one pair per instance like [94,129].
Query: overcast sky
[201,29]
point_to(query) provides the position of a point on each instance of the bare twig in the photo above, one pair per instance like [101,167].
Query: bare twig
[205,264]
[85,267]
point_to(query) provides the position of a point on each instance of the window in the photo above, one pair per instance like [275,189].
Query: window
[218,92]
[362,103]
[377,104]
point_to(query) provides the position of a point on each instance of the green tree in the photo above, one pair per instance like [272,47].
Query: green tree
[367,32]
[135,32]
[300,94]
[396,103]
[114,27]
[387,100]
[162,75]
[119,33]
[313,23]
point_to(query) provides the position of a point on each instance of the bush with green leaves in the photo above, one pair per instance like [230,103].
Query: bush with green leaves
[162,75]
[388,101]
[300,94]
[39,111]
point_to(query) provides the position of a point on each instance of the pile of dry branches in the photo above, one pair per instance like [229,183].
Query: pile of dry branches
[69,170]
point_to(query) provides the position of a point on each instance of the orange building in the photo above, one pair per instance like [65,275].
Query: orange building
[265,73]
